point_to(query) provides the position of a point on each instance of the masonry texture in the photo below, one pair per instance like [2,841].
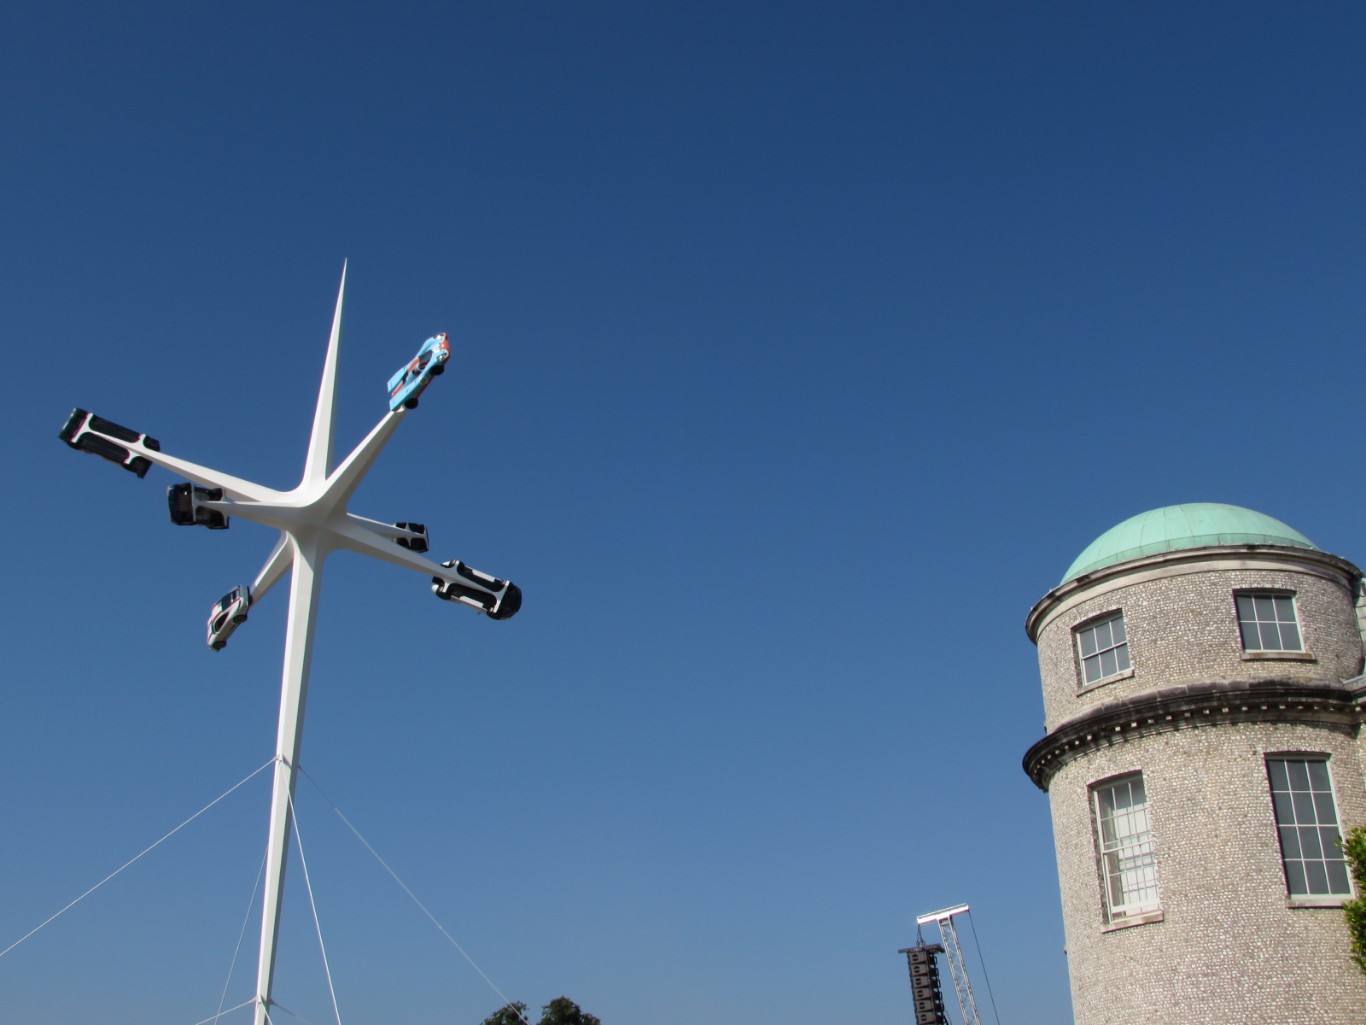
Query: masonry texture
[1223,943]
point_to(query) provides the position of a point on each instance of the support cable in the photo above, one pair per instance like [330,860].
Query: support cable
[136,857]
[241,937]
[210,1021]
[282,1007]
[980,960]
[317,924]
[411,896]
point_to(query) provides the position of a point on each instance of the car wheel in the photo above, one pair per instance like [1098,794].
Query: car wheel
[239,620]
[440,368]
[410,403]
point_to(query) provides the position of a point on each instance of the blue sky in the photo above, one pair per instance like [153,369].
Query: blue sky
[798,349]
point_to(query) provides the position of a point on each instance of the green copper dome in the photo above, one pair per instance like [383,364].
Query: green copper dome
[1195,525]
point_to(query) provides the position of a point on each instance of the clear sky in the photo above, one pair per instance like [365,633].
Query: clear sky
[798,350]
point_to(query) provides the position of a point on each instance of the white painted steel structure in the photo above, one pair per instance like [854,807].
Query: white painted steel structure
[313,522]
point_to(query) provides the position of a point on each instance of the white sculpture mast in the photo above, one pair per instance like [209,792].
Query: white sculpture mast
[313,522]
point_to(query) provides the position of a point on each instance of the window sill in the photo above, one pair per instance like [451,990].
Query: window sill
[1316,902]
[1278,656]
[1129,921]
[1106,681]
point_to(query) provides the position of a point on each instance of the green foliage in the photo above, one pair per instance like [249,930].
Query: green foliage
[512,1014]
[563,1011]
[1354,847]
[560,1011]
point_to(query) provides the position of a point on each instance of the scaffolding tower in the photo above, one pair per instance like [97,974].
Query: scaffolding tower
[953,954]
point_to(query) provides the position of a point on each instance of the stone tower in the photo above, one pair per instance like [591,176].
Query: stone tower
[1203,699]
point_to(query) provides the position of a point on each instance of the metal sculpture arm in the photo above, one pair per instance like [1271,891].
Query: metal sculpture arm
[280,560]
[453,580]
[319,457]
[137,452]
[343,481]
[234,487]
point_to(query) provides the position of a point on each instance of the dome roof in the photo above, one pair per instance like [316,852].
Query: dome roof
[1194,525]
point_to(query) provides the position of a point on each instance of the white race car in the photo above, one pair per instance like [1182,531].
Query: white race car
[87,432]
[227,614]
[497,599]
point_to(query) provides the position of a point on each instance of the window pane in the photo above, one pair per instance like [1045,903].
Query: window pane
[1245,609]
[1117,635]
[1108,664]
[1304,807]
[1290,842]
[1324,812]
[1103,638]
[1290,638]
[1309,843]
[1317,772]
[1285,608]
[1279,780]
[1337,878]
[1088,643]
[1116,881]
[1285,807]
[1121,797]
[1299,774]
[1123,656]
[1294,877]
[1318,877]
[1328,840]
[1105,801]
[1265,606]
[1123,827]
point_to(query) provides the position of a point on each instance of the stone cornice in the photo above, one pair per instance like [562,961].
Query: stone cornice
[1332,705]
[1216,557]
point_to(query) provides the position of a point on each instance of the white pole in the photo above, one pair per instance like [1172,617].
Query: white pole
[303,596]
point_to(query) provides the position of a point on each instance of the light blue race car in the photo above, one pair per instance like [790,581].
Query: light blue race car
[406,385]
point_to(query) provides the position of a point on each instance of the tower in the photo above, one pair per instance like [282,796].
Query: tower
[1201,669]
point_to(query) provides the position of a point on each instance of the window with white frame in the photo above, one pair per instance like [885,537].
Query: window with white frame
[1307,821]
[1267,621]
[1103,647]
[1125,841]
